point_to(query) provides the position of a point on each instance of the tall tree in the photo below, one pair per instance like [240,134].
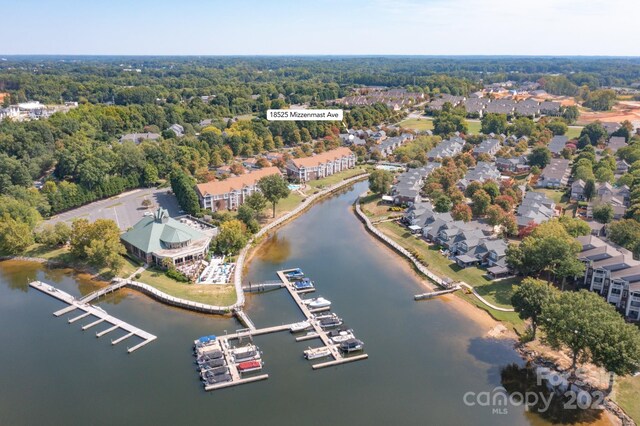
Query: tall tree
[380,181]
[274,188]
[530,298]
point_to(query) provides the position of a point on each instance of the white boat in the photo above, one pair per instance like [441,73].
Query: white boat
[243,349]
[313,353]
[300,326]
[318,302]
[342,336]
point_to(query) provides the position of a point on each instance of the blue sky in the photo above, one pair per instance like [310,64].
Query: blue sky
[273,27]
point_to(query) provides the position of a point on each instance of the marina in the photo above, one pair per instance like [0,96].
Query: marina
[98,313]
[240,360]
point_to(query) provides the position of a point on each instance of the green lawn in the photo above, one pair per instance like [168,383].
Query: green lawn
[130,266]
[418,124]
[335,178]
[558,196]
[573,132]
[496,292]
[286,205]
[220,295]
[626,391]
[474,127]
[427,124]
[38,250]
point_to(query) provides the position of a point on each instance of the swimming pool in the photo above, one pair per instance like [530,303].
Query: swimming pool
[293,187]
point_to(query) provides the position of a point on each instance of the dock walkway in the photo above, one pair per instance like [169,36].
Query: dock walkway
[100,315]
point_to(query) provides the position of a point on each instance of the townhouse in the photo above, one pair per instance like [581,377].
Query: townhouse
[488,146]
[446,148]
[535,208]
[482,172]
[515,165]
[612,272]
[557,144]
[406,190]
[321,165]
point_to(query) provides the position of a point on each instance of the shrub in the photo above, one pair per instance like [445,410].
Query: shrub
[176,275]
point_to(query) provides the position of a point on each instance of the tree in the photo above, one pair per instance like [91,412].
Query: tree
[570,113]
[530,299]
[183,187]
[481,200]
[595,132]
[380,181]
[274,188]
[557,127]
[523,126]
[589,188]
[146,203]
[447,123]
[256,201]
[540,157]
[604,174]
[98,243]
[150,174]
[461,212]
[249,217]
[625,232]
[549,248]
[15,236]
[491,188]
[574,227]
[603,213]
[592,330]
[442,204]
[231,237]
[54,235]
[494,215]
[472,188]
[494,123]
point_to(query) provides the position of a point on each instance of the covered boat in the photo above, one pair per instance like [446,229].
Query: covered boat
[351,345]
[342,336]
[295,273]
[330,322]
[318,302]
[248,366]
[313,353]
[303,284]
[212,364]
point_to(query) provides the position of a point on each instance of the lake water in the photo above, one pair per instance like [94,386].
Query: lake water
[423,357]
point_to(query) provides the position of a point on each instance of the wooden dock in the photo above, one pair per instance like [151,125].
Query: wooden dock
[99,314]
[251,330]
[433,294]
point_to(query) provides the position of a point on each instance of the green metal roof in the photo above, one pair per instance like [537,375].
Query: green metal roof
[151,234]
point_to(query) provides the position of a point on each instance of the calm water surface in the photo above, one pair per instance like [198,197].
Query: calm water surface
[423,356]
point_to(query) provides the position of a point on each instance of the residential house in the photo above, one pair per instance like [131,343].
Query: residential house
[557,144]
[321,165]
[613,273]
[231,193]
[482,172]
[406,190]
[488,146]
[389,145]
[446,148]
[535,208]
[556,174]
[611,127]
[177,129]
[617,197]
[577,190]
[615,143]
[550,108]
[622,167]
[515,165]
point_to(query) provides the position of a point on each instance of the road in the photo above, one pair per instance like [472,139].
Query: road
[124,209]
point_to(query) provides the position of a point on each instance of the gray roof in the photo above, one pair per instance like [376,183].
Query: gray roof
[557,144]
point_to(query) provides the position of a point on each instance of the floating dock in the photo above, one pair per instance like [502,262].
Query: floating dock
[92,311]
[250,331]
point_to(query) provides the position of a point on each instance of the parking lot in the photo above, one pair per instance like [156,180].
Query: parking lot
[124,209]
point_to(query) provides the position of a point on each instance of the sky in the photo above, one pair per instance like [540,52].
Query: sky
[321,27]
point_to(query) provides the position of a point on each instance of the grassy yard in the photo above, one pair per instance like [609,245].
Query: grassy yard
[129,268]
[558,196]
[573,132]
[333,179]
[373,207]
[417,124]
[496,292]
[626,393]
[38,250]
[427,124]
[286,205]
[221,295]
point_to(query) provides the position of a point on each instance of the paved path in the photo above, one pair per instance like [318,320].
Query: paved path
[446,284]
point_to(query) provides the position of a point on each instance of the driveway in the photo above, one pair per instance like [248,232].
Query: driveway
[124,209]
